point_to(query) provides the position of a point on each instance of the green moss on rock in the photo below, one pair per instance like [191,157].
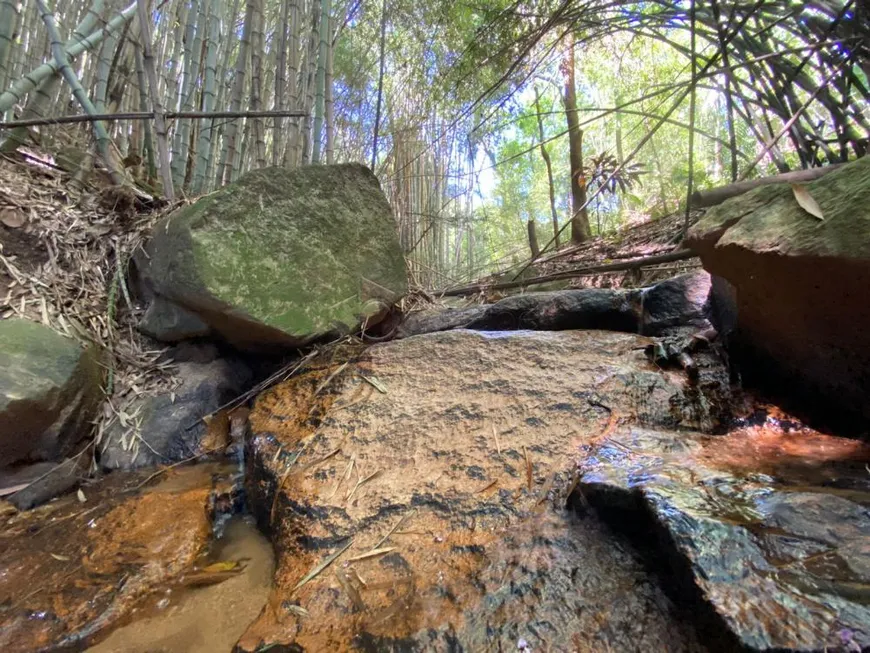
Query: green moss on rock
[49,390]
[298,252]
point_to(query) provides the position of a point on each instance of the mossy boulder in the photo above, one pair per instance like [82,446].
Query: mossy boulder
[800,285]
[280,257]
[49,392]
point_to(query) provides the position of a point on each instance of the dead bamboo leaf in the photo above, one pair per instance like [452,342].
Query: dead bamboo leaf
[374,553]
[528,469]
[362,482]
[298,610]
[375,383]
[807,201]
[330,378]
[225,565]
[393,529]
[352,592]
[487,487]
[59,557]
[12,217]
[497,443]
[311,575]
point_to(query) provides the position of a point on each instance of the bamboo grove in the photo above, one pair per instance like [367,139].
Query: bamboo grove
[491,127]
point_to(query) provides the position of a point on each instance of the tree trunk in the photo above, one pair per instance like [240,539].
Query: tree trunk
[320,83]
[229,151]
[580,231]
[381,58]
[531,227]
[551,187]
[156,107]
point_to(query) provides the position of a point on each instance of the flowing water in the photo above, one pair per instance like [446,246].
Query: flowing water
[207,619]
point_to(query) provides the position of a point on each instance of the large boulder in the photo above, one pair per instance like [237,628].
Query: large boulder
[768,528]
[277,259]
[801,286]
[50,388]
[432,473]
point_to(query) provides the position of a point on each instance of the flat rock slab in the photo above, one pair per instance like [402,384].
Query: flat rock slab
[771,529]
[416,496]
[69,571]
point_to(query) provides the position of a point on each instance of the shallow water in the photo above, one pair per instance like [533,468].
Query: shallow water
[206,619]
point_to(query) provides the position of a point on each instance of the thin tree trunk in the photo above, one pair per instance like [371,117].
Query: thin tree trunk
[551,186]
[10,18]
[330,100]
[229,154]
[320,82]
[280,81]
[208,96]
[190,69]
[580,231]
[531,227]
[156,107]
[29,82]
[257,84]
[381,59]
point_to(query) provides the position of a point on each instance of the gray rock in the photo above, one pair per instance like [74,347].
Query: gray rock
[277,259]
[772,534]
[168,322]
[58,480]
[49,392]
[683,301]
[170,430]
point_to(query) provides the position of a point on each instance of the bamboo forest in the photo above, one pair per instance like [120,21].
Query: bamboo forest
[459,326]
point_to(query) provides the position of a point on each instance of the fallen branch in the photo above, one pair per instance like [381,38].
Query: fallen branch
[680,255]
[149,115]
[701,199]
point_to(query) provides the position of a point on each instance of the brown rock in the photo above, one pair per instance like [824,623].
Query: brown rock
[433,473]
[801,287]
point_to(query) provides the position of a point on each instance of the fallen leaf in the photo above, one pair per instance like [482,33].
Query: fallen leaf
[81,496]
[59,557]
[12,217]
[374,553]
[806,201]
[226,565]
[323,565]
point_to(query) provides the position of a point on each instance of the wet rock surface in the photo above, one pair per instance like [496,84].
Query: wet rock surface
[71,570]
[683,302]
[769,527]
[800,285]
[415,496]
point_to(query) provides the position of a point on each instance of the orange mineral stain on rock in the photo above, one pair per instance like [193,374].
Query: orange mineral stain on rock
[70,570]
[405,490]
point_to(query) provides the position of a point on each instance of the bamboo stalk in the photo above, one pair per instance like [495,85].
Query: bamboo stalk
[157,108]
[66,71]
